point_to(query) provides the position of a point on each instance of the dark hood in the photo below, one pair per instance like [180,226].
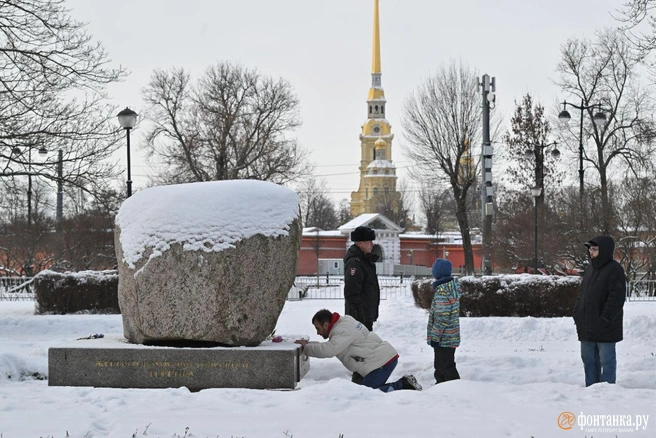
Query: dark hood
[606,246]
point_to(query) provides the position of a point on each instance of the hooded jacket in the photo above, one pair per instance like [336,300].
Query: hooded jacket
[598,312]
[360,350]
[444,315]
[361,290]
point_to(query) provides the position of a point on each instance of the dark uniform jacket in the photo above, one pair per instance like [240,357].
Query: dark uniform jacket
[361,290]
[598,311]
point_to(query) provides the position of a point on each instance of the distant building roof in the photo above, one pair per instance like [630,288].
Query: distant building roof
[446,237]
[312,231]
[378,221]
[358,221]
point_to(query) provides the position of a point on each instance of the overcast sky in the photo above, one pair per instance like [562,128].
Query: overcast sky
[324,49]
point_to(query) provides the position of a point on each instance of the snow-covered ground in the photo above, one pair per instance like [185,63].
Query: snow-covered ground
[518,376]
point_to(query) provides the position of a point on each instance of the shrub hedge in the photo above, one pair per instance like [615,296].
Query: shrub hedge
[72,292]
[509,295]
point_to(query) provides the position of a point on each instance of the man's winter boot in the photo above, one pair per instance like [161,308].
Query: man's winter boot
[410,382]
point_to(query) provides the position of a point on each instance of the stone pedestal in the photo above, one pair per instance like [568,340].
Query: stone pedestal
[115,363]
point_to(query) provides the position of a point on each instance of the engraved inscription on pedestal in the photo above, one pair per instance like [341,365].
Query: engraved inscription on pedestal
[279,367]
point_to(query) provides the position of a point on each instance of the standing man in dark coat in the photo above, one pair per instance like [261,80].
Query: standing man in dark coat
[598,311]
[361,290]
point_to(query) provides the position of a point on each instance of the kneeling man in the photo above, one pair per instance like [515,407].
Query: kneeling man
[360,350]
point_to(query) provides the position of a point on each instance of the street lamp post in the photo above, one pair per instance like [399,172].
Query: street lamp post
[536,191]
[29,198]
[60,187]
[599,120]
[42,151]
[537,152]
[60,207]
[127,119]
[60,197]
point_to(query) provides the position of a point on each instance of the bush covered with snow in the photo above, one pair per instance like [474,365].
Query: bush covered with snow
[509,295]
[71,292]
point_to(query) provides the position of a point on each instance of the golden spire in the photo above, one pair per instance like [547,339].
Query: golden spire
[376,91]
[375,59]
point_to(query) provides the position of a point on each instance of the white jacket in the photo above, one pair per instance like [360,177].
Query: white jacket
[360,350]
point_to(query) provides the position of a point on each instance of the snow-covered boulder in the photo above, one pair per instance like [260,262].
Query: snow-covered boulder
[206,262]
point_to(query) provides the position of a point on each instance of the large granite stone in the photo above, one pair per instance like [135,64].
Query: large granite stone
[178,291]
[114,363]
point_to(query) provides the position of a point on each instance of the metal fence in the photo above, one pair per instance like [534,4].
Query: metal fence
[326,288]
[332,287]
[16,288]
[641,290]
[323,288]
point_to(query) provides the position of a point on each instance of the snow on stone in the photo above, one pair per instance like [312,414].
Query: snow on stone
[205,216]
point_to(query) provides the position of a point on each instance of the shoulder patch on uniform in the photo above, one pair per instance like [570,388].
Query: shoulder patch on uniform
[353,271]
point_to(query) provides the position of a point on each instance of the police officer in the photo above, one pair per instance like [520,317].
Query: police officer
[361,290]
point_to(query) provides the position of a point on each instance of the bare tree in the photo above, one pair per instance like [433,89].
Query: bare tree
[565,234]
[441,119]
[559,236]
[317,211]
[234,123]
[343,212]
[316,208]
[52,95]
[23,247]
[394,205]
[512,239]
[606,71]
[637,226]
[88,241]
[85,240]
[433,203]
[638,24]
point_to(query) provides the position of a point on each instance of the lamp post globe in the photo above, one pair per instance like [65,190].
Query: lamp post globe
[599,119]
[127,119]
[536,191]
[564,116]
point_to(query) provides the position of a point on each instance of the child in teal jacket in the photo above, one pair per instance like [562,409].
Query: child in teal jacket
[444,321]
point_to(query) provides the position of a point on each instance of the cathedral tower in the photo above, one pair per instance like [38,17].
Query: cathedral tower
[377,190]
